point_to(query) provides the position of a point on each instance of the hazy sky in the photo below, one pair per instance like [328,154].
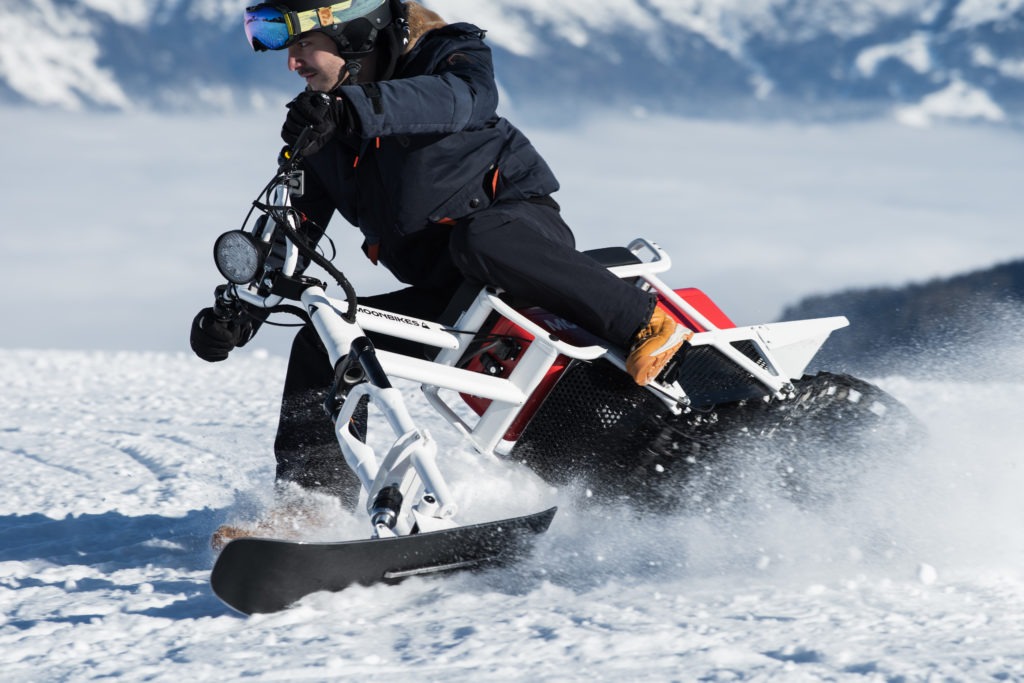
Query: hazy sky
[109,220]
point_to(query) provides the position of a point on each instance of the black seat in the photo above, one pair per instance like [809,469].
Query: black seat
[613,256]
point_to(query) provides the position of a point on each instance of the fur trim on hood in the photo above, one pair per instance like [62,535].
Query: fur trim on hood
[421,20]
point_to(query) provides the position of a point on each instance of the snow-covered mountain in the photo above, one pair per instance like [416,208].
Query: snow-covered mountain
[918,58]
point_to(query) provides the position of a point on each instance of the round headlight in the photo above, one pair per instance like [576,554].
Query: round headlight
[239,257]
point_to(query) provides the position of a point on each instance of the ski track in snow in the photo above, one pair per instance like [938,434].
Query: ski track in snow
[118,466]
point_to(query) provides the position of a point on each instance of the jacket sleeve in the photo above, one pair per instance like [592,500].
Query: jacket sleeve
[459,93]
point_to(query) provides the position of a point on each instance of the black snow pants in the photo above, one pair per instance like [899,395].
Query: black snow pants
[524,248]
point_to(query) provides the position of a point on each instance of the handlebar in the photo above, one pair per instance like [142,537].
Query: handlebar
[279,210]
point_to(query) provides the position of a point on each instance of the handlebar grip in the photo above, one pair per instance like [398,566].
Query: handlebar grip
[290,154]
[223,312]
[300,143]
[225,308]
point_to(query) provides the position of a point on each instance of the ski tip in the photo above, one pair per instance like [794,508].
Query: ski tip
[253,575]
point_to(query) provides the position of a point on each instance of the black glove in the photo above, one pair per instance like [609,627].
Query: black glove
[213,337]
[326,114]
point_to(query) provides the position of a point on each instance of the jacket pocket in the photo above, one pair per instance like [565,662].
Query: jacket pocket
[471,198]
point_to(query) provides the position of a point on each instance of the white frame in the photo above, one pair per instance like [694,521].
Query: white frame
[410,463]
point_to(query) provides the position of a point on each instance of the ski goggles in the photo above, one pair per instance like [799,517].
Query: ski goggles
[274,27]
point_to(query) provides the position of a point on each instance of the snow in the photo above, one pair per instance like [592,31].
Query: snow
[983,56]
[958,100]
[913,52]
[118,465]
[513,32]
[54,62]
[122,451]
[970,13]
[727,24]
[129,12]
[514,27]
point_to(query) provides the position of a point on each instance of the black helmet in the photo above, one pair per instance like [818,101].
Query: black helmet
[354,25]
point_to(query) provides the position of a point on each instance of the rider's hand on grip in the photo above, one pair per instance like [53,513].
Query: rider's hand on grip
[213,337]
[325,114]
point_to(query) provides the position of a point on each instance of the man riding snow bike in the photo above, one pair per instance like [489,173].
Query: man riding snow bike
[405,143]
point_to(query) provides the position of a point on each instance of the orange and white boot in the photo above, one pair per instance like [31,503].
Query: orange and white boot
[654,346]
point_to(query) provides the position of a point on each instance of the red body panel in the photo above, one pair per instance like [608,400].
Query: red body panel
[504,327]
[703,304]
[573,334]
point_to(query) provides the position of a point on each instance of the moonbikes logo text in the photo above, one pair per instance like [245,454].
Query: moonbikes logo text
[559,324]
[393,317]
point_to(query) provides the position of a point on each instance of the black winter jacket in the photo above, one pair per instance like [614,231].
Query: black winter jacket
[429,149]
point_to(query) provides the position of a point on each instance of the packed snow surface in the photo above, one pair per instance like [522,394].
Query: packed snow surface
[118,466]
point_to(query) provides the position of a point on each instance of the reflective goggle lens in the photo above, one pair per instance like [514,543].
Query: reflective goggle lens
[266,28]
[270,28]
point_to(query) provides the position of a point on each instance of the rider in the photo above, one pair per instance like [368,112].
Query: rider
[406,144]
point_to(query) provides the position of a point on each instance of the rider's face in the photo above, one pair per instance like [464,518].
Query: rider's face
[315,58]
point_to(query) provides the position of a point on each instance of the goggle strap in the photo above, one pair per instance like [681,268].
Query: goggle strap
[292,21]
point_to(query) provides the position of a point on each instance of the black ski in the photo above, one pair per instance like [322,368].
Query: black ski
[264,575]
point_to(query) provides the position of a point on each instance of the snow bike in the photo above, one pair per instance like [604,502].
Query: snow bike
[521,383]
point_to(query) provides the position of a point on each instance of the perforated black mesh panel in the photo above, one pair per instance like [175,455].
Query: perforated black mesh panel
[709,378]
[597,418]
[594,416]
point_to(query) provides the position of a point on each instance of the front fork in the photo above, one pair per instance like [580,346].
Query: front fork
[406,491]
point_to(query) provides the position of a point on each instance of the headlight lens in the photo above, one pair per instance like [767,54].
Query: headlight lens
[239,257]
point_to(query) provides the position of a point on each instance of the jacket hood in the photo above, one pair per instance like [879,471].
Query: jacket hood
[421,21]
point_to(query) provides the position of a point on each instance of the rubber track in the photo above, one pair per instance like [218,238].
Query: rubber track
[660,461]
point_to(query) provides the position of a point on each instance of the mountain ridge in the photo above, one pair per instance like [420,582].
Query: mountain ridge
[915,59]
[918,327]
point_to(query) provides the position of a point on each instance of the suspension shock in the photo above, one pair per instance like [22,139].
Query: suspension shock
[386,507]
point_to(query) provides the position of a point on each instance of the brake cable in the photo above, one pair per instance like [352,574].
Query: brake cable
[289,163]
